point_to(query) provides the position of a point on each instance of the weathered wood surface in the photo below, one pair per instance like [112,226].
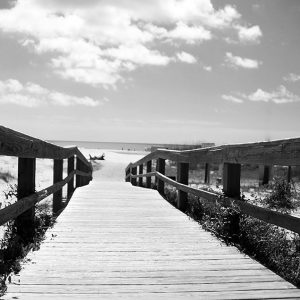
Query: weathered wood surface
[12,211]
[117,241]
[282,152]
[14,143]
[267,215]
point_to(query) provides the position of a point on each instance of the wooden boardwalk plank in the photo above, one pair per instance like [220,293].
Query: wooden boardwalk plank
[116,241]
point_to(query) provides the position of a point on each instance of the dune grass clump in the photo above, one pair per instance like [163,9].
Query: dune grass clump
[6,176]
[14,248]
[281,196]
[274,247]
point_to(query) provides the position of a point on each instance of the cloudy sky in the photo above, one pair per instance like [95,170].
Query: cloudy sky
[151,71]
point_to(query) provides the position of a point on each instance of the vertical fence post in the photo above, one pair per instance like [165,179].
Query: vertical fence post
[78,168]
[57,177]
[182,177]
[90,169]
[26,186]
[160,167]
[71,182]
[127,178]
[85,179]
[265,174]
[289,174]
[141,172]
[133,172]
[220,173]
[231,180]
[207,173]
[149,169]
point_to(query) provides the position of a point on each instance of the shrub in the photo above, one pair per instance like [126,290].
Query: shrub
[272,246]
[13,247]
[220,220]
[281,196]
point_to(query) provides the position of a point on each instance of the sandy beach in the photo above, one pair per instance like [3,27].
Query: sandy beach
[112,168]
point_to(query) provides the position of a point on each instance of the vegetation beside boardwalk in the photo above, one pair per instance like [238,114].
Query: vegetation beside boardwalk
[276,248]
[14,247]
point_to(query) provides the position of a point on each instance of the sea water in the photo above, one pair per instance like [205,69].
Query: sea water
[107,145]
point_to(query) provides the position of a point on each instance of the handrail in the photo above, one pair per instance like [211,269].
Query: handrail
[13,143]
[281,152]
[27,149]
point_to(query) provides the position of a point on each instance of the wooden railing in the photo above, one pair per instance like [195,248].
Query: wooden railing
[230,158]
[27,149]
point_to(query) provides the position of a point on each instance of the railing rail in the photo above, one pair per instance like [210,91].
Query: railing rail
[28,149]
[230,157]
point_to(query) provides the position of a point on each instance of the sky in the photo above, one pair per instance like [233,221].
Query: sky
[171,71]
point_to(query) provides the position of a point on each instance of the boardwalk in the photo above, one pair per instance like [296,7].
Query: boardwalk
[116,241]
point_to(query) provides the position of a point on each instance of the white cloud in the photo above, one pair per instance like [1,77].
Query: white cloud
[232,99]
[249,34]
[138,55]
[186,57]
[97,42]
[292,77]
[207,68]
[237,61]
[33,95]
[190,34]
[279,96]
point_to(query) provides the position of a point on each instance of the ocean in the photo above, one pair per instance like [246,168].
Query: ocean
[108,145]
[127,146]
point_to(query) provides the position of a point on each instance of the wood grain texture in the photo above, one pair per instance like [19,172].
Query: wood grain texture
[13,143]
[14,210]
[26,186]
[267,215]
[281,152]
[118,241]
[57,177]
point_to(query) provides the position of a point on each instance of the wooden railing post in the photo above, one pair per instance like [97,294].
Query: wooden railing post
[289,174]
[79,167]
[149,169]
[160,167]
[207,173]
[141,172]
[26,187]
[133,172]
[57,177]
[86,179]
[71,182]
[127,178]
[182,177]
[265,174]
[231,180]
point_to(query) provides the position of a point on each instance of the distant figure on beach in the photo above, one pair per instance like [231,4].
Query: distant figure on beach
[97,157]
